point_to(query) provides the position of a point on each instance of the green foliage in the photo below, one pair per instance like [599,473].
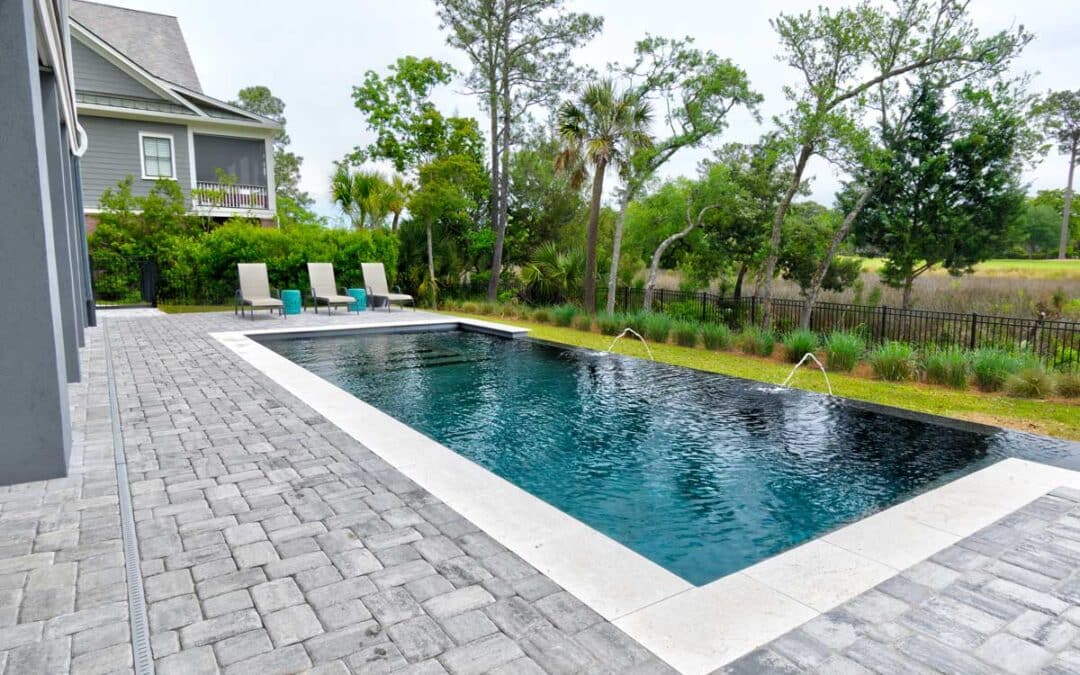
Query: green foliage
[686,333]
[610,324]
[563,315]
[991,367]
[894,361]
[757,341]
[657,327]
[798,343]
[542,315]
[807,232]
[843,350]
[950,366]
[684,310]
[715,336]
[1067,385]
[1030,383]
[553,274]
[583,321]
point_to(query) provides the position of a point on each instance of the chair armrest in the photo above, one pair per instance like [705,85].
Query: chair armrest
[397,289]
[237,297]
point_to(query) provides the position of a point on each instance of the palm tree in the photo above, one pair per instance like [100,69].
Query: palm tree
[603,128]
[396,197]
[359,194]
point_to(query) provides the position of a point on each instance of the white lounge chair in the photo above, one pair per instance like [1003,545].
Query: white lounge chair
[323,288]
[377,288]
[254,291]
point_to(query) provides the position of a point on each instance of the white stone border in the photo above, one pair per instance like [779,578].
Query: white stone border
[696,629]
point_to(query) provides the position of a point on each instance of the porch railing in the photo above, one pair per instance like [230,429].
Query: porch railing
[231,196]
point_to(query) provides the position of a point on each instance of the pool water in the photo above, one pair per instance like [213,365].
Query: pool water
[701,473]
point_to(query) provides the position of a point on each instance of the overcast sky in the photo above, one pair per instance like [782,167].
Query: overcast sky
[311,52]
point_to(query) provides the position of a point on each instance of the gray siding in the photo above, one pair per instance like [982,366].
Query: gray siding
[113,154]
[93,73]
[244,158]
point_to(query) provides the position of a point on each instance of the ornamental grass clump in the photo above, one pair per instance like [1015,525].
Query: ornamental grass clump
[657,327]
[686,333]
[583,322]
[487,308]
[799,343]
[470,308]
[610,324]
[563,315]
[1067,385]
[542,315]
[992,367]
[757,341]
[950,366]
[716,336]
[843,350]
[1030,383]
[894,361]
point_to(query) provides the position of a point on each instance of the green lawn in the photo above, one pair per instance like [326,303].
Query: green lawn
[1045,417]
[194,309]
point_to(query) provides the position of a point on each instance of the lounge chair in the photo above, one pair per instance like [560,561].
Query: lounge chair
[254,291]
[377,289]
[323,288]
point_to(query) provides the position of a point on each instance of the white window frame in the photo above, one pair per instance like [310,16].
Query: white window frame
[142,154]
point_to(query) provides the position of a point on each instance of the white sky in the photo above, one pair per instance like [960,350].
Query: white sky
[311,53]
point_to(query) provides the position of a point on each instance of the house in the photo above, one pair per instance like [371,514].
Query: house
[146,116]
[46,300]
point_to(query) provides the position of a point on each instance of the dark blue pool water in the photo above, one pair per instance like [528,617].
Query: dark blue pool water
[701,473]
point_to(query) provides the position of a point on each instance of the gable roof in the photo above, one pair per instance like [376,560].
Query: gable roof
[153,41]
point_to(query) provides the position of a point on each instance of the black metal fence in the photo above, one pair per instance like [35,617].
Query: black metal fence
[118,280]
[1056,342]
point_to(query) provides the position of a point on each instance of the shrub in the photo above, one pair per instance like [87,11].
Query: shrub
[951,367]
[637,321]
[716,336]
[487,308]
[686,333]
[1067,385]
[757,341]
[894,361]
[563,315]
[1029,383]
[470,308]
[542,315]
[684,310]
[610,324]
[798,343]
[583,321]
[657,327]
[992,367]
[843,350]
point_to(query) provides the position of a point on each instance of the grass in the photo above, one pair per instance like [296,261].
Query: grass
[1045,417]
[193,309]
[1029,269]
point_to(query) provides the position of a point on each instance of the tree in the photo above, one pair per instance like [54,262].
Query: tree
[1060,116]
[603,128]
[520,51]
[261,101]
[696,90]
[808,232]
[714,195]
[360,194]
[852,55]
[409,130]
[395,196]
[446,191]
[949,189]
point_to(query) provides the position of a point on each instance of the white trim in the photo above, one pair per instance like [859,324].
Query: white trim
[210,124]
[58,56]
[210,100]
[695,629]
[211,211]
[172,154]
[191,160]
[271,184]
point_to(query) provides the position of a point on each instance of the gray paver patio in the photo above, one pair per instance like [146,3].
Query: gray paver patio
[270,541]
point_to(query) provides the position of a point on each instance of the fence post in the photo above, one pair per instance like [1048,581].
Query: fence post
[753,310]
[884,320]
[626,299]
[703,307]
[974,330]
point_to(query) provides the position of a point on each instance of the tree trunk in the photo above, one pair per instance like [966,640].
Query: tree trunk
[589,294]
[394,222]
[738,282]
[664,245]
[494,210]
[430,266]
[823,266]
[774,239]
[1063,244]
[616,249]
[905,298]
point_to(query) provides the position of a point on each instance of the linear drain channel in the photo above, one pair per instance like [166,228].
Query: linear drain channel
[140,633]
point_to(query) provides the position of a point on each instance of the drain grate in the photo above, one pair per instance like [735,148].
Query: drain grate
[140,633]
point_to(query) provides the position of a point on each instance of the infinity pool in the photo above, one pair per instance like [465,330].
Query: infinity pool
[703,474]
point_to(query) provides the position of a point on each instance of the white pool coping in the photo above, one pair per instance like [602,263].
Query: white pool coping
[695,629]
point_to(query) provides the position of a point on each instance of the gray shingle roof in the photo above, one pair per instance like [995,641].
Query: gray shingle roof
[154,41]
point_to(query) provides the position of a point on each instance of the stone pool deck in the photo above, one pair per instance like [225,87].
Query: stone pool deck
[269,541]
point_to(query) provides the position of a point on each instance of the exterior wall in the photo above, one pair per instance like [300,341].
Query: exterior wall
[114,154]
[94,73]
[244,158]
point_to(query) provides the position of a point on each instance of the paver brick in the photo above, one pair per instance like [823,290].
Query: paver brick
[419,638]
[458,601]
[292,624]
[481,656]
[221,627]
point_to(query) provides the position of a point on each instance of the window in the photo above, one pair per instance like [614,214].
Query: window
[157,156]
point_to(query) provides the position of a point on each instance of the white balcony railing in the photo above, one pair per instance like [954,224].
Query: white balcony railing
[230,196]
